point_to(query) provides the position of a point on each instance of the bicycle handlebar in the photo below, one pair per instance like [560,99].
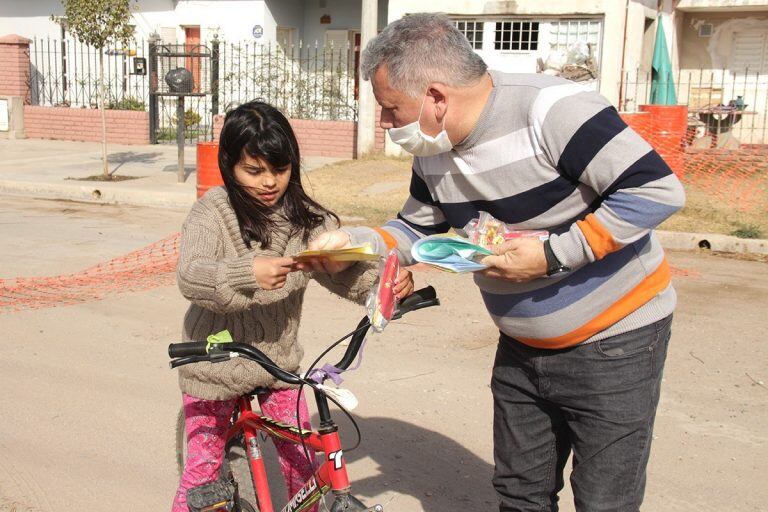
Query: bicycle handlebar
[196,351]
[195,348]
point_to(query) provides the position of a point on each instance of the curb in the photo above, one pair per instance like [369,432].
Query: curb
[184,198]
[101,193]
[723,243]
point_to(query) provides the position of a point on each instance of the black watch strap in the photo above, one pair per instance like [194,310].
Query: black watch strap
[554,266]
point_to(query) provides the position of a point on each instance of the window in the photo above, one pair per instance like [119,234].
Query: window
[473,31]
[564,33]
[749,52]
[517,36]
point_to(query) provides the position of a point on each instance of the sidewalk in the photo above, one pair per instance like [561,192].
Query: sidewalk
[41,168]
[45,168]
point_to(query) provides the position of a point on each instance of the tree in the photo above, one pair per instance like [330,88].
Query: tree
[100,23]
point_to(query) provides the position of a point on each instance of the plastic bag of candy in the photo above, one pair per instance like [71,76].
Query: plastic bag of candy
[381,302]
[487,231]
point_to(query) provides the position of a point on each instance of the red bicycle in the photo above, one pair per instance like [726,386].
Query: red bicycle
[331,476]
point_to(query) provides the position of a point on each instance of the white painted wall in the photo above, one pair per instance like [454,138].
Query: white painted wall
[30,19]
[613,13]
[283,13]
[231,19]
[345,15]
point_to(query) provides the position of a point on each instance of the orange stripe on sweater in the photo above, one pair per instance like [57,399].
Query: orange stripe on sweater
[599,239]
[653,284]
[388,239]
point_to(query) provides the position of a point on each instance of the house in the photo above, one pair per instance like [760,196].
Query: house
[719,48]
[177,21]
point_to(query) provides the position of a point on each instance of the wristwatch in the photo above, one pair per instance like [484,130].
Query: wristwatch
[554,267]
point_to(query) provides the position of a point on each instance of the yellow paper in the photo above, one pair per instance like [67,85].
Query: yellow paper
[360,253]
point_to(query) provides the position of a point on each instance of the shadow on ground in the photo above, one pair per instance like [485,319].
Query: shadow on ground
[409,460]
[133,157]
[174,167]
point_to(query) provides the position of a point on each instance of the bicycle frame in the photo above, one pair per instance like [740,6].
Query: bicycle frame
[331,476]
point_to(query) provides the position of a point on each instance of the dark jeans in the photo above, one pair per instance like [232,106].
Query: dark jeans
[597,400]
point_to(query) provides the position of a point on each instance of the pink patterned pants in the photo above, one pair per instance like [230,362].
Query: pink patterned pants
[206,424]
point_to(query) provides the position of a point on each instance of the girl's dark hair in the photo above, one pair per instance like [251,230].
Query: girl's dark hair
[261,131]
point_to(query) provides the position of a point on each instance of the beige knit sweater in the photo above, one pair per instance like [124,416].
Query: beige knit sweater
[215,274]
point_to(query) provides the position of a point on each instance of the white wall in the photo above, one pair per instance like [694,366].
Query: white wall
[232,19]
[345,15]
[287,14]
[613,13]
[30,18]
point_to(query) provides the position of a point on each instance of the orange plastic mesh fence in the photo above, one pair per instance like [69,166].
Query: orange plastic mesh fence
[715,165]
[147,268]
[708,159]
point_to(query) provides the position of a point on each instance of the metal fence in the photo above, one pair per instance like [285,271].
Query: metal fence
[65,73]
[304,81]
[191,105]
[718,100]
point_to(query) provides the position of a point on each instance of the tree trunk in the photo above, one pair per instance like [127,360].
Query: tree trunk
[102,107]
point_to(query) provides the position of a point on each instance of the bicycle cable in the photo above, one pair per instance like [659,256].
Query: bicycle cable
[345,411]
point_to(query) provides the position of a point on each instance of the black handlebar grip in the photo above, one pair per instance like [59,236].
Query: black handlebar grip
[417,297]
[195,348]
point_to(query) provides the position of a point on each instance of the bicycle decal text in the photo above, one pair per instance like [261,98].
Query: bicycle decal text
[305,493]
[337,458]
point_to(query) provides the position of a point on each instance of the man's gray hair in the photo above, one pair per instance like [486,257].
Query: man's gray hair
[422,48]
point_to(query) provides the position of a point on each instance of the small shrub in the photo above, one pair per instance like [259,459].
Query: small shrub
[127,103]
[191,118]
[747,231]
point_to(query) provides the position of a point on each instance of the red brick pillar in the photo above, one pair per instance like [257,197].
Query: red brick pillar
[14,63]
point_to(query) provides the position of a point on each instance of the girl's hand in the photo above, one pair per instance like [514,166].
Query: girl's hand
[404,284]
[271,273]
[326,241]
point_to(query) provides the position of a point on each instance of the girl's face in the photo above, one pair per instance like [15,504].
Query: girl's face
[263,182]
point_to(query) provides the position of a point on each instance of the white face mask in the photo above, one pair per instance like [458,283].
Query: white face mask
[416,142]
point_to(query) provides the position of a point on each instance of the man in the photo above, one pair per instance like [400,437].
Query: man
[585,316]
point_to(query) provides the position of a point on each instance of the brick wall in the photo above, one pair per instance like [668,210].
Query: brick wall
[322,138]
[80,124]
[14,66]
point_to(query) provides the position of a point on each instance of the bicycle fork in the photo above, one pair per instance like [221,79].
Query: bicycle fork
[256,461]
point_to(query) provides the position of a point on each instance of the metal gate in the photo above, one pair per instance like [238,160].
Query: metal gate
[183,105]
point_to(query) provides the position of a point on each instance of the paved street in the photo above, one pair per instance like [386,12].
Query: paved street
[89,403]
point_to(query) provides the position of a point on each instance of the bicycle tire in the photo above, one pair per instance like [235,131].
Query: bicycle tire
[181,442]
[245,506]
[241,470]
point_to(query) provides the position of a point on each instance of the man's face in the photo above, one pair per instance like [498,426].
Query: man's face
[398,109]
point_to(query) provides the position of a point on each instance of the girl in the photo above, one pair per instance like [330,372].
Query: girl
[236,268]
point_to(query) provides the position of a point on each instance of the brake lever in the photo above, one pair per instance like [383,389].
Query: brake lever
[419,305]
[218,357]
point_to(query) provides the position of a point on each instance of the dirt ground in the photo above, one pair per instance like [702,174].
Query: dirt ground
[89,403]
[348,187]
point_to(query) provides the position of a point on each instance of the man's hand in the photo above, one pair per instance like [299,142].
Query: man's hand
[518,260]
[327,241]
[271,273]
[403,284]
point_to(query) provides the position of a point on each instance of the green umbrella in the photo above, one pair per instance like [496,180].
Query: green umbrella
[662,79]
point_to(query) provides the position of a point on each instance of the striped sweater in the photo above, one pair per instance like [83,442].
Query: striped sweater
[546,154]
